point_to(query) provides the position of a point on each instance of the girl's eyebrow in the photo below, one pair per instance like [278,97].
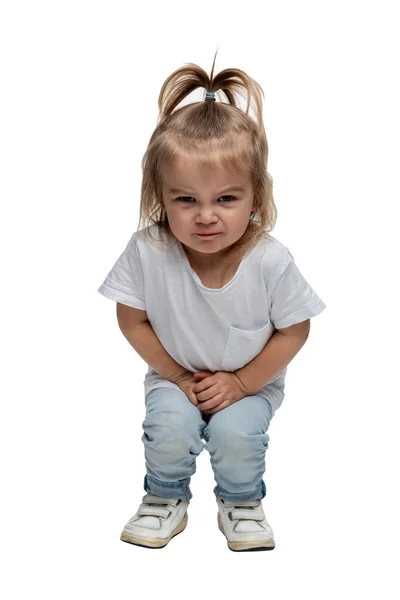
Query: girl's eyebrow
[230,189]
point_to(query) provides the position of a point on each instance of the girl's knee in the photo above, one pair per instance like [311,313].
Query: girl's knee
[171,426]
[175,435]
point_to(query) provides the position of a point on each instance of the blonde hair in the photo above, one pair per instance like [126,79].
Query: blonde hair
[213,133]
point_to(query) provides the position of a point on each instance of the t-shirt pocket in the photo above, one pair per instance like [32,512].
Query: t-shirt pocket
[243,345]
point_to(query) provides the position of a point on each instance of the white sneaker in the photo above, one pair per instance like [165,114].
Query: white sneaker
[244,525]
[157,520]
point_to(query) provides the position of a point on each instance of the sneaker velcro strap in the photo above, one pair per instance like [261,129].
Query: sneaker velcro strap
[241,503]
[154,511]
[254,514]
[150,499]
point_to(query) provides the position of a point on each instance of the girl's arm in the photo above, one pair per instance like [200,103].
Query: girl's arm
[146,343]
[278,352]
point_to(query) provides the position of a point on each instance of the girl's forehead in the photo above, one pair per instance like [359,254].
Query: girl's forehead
[183,164]
[186,174]
[191,166]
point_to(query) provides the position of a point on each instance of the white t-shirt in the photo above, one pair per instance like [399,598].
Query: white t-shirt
[206,329]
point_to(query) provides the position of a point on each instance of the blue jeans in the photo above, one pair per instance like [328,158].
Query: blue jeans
[236,440]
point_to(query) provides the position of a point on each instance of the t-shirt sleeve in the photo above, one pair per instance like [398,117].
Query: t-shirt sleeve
[292,299]
[124,283]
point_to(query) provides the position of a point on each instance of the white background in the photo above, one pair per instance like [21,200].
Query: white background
[79,89]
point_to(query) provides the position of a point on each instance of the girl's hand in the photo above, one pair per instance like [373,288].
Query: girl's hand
[217,391]
[186,383]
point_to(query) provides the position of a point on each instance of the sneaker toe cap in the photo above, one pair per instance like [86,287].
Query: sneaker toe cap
[148,522]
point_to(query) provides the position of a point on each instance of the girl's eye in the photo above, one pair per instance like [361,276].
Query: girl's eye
[185,197]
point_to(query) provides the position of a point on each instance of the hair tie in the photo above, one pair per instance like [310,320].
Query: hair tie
[210,96]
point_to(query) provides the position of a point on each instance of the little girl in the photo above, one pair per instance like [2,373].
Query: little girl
[213,303]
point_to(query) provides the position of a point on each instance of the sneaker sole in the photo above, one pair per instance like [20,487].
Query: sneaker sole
[147,542]
[250,545]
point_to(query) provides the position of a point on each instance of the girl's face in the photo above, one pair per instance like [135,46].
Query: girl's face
[210,200]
